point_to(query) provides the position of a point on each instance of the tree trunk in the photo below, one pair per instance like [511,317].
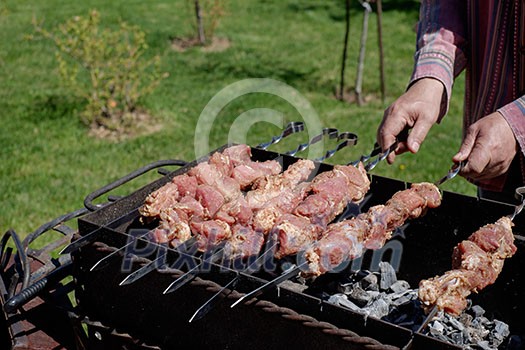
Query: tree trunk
[361,61]
[381,57]
[200,25]
[345,50]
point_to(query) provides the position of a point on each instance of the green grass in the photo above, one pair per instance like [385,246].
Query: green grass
[49,164]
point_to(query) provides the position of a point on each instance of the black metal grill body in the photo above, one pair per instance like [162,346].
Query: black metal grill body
[141,309]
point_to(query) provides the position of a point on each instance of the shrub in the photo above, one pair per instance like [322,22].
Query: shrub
[106,67]
[208,14]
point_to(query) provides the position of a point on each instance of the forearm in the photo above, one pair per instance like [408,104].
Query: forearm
[440,41]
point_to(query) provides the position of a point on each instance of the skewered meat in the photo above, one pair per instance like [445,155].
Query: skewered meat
[270,190]
[403,205]
[215,173]
[246,174]
[210,198]
[268,187]
[173,227]
[348,239]
[275,208]
[476,263]
[238,154]
[244,242]
[236,211]
[174,222]
[330,193]
[159,200]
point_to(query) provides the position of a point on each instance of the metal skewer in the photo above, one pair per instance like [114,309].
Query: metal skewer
[254,266]
[433,312]
[380,157]
[350,139]
[193,272]
[456,168]
[157,263]
[107,259]
[331,133]
[365,157]
[292,271]
[291,128]
[520,195]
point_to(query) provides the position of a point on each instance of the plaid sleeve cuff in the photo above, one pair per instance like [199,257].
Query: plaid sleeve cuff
[514,114]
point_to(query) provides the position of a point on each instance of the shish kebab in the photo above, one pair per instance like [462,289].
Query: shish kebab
[214,173]
[352,182]
[476,262]
[290,129]
[234,210]
[269,203]
[347,239]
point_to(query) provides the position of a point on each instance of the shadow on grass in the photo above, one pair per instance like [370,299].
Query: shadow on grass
[53,108]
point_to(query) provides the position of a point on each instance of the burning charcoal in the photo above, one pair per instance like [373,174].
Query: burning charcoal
[465,319]
[484,345]
[342,300]
[501,330]
[359,296]
[436,327]
[369,282]
[374,294]
[399,286]
[346,288]
[456,324]
[477,310]
[457,337]
[379,308]
[404,299]
[388,275]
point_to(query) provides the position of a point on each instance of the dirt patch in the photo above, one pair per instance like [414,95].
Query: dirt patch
[217,44]
[127,127]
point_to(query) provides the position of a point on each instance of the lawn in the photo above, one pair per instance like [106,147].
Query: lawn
[49,163]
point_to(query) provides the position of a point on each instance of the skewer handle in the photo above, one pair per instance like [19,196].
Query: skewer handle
[520,195]
[291,128]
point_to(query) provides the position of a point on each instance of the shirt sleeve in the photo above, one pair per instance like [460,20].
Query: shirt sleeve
[514,114]
[441,35]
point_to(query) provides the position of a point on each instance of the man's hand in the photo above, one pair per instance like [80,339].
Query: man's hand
[488,148]
[417,109]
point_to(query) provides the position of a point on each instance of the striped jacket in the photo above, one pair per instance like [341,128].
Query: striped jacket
[485,37]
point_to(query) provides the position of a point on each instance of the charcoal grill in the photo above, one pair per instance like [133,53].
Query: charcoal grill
[285,316]
[139,316]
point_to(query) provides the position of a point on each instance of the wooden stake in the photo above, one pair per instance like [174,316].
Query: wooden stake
[200,25]
[345,50]
[361,61]
[381,57]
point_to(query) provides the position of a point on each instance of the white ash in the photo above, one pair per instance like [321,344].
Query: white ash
[382,295]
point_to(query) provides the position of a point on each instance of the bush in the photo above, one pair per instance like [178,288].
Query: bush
[106,67]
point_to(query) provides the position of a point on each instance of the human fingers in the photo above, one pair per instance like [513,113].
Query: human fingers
[467,145]
[477,165]
[400,149]
[418,134]
[393,123]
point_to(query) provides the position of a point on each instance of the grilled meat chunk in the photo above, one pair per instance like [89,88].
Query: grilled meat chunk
[476,263]
[348,239]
